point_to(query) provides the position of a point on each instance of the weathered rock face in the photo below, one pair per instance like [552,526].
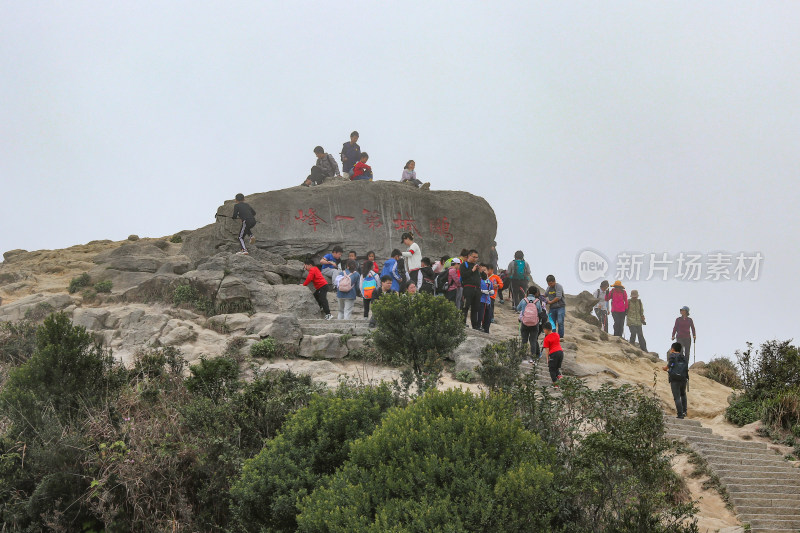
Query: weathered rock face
[358,216]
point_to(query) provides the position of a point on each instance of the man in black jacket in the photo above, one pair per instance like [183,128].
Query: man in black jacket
[247,214]
[678,368]
[471,281]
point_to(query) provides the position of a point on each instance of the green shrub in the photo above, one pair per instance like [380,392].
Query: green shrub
[185,294]
[176,239]
[465,376]
[500,362]
[39,312]
[17,341]
[417,330]
[103,286]
[783,409]
[67,373]
[271,349]
[79,282]
[217,379]
[450,461]
[723,370]
[743,410]
[313,443]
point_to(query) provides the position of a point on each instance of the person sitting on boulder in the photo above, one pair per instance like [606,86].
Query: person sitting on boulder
[325,167]
[331,263]
[361,170]
[410,176]
[320,286]
[350,154]
[243,211]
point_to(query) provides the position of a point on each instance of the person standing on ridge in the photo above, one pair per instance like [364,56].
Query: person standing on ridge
[601,309]
[243,211]
[681,331]
[619,306]
[555,301]
[519,272]
[636,319]
[493,258]
[350,154]
[471,282]
[410,176]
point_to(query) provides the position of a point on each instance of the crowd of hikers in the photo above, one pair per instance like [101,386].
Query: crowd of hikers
[354,166]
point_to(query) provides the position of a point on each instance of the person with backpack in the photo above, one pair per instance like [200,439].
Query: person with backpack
[371,257]
[555,301]
[532,315]
[453,281]
[684,331]
[601,309]
[346,290]
[485,313]
[425,279]
[554,354]
[619,306]
[325,167]
[243,211]
[678,371]
[368,285]
[390,268]
[350,154]
[636,320]
[320,285]
[519,273]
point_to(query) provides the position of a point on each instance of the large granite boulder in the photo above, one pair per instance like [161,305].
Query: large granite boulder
[358,215]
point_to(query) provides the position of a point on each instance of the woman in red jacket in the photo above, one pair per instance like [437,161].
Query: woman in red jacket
[619,306]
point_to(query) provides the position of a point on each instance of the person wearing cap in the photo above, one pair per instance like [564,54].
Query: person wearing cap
[636,319]
[413,256]
[619,306]
[684,326]
[453,280]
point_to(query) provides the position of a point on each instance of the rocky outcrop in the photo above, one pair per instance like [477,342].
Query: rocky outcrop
[359,216]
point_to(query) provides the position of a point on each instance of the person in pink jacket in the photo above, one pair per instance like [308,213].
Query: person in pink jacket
[619,306]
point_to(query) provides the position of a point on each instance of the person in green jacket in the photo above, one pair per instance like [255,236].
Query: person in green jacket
[636,319]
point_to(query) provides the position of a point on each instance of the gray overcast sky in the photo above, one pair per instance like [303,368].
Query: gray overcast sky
[621,126]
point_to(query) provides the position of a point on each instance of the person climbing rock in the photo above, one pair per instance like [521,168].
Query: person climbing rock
[320,285]
[247,214]
[554,355]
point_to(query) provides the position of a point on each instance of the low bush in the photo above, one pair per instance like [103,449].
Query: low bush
[271,349]
[39,312]
[782,410]
[465,376]
[216,379]
[176,239]
[17,341]
[313,443]
[743,410]
[450,461]
[103,286]
[723,370]
[79,282]
[185,294]
[500,362]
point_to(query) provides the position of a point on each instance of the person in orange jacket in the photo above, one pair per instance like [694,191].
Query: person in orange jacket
[497,284]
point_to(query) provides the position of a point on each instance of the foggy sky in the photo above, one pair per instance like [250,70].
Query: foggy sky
[616,126]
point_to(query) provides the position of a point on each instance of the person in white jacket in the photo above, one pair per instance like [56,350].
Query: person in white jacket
[413,256]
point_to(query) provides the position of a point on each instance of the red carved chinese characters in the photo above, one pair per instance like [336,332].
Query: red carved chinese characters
[441,226]
[372,219]
[405,224]
[312,218]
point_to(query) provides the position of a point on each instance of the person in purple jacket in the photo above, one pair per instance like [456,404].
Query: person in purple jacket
[684,326]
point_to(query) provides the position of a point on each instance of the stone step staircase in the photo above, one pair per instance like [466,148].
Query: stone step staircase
[763,488]
[317,326]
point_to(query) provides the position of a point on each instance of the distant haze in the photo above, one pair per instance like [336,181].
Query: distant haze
[616,126]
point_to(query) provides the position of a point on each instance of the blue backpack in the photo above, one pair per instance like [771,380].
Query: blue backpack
[519,269]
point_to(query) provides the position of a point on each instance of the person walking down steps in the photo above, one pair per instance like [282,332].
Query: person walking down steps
[247,214]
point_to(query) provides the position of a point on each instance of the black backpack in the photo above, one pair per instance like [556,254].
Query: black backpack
[679,371]
[440,283]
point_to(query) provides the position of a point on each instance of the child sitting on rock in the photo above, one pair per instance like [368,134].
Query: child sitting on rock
[410,176]
[362,171]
